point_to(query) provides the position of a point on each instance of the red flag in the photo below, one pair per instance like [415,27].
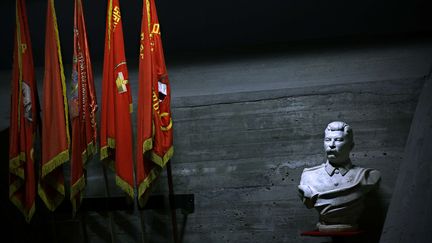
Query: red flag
[23,119]
[82,104]
[55,131]
[116,130]
[154,123]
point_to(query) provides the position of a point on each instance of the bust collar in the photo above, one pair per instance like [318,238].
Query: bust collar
[343,169]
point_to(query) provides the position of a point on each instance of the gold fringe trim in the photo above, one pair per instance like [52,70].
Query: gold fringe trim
[109,23]
[53,203]
[161,161]
[65,103]
[18,172]
[17,161]
[147,145]
[104,150]
[104,153]
[146,184]
[19,56]
[84,157]
[88,153]
[91,147]
[28,214]
[111,143]
[125,186]
[77,187]
[15,165]
[15,186]
[130,108]
[59,187]
[58,160]
[144,198]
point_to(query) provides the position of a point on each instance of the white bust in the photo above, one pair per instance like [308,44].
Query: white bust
[336,189]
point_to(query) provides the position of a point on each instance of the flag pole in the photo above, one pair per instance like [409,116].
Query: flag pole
[84,227]
[53,227]
[172,203]
[108,196]
[142,222]
[142,226]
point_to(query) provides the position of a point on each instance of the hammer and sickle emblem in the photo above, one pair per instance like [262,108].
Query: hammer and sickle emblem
[166,128]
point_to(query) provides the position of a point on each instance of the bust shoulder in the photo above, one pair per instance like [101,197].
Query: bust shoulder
[367,176]
[314,168]
[313,175]
[372,177]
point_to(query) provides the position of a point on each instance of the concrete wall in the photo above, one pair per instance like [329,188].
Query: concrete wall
[246,127]
[243,159]
[410,211]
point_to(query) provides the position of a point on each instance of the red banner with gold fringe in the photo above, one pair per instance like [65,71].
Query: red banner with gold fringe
[82,108]
[116,130]
[24,119]
[55,128]
[154,122]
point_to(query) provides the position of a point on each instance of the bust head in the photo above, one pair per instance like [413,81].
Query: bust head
[338,142]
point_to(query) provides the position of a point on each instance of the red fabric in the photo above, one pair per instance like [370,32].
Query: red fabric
[163,139]
[154,122]
[55,134]
[82,105]
[24,114]
[116,102]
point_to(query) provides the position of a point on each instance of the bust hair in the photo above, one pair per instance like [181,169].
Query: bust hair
[341,126]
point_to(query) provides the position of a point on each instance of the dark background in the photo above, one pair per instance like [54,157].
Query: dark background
[206,27]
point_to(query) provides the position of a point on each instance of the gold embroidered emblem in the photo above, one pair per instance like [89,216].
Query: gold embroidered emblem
[121,83]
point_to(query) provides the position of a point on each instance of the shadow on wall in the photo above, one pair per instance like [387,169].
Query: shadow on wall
[372,220]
